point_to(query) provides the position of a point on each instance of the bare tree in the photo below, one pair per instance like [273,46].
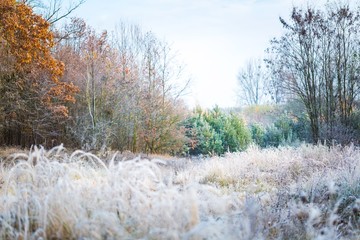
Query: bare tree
[317,59]
[252,83]
[54,10]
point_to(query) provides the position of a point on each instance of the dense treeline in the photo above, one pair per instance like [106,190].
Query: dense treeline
[70,84]
[33,98]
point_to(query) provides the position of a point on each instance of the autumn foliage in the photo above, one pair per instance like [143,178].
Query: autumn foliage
[33,99]
[69,84]
[127,99]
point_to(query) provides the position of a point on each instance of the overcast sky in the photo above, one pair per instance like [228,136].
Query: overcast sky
[214,38]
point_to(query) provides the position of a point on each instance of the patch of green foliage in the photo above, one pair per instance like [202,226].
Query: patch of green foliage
[286,130]
[215,132]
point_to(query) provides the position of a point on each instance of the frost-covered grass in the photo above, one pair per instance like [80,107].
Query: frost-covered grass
[310,192]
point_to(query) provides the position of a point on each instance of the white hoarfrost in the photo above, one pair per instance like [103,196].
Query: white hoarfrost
[257,194]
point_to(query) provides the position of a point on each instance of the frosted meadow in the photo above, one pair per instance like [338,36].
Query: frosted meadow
[309,192]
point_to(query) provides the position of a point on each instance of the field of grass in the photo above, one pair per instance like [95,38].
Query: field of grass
[309,192]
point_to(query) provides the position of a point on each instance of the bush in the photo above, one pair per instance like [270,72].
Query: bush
[258,134]
[285,130]
[237,135]
[273,137]
[215,132]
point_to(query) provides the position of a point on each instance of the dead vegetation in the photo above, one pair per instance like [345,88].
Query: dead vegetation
[310,192]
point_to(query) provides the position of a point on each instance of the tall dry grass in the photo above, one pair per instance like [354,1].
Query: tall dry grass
[310,192]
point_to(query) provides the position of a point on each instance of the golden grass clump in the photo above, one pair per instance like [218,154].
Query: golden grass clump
[309,192]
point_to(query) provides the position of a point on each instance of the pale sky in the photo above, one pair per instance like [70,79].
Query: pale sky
[213,38]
